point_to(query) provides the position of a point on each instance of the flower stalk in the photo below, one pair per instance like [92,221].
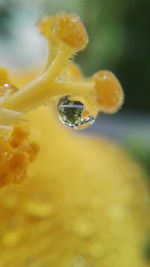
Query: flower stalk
[66,36]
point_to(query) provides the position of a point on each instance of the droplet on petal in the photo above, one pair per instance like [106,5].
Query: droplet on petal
[72,114]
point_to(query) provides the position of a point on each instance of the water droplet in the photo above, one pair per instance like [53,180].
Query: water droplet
[75,18]
[72,113]
[6,85]
[7,88]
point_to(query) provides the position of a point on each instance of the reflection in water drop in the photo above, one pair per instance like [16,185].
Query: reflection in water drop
[71,114]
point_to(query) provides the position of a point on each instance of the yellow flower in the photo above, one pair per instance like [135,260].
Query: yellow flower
[86,203]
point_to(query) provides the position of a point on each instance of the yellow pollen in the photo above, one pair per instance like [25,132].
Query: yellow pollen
[70,30]
[16,153]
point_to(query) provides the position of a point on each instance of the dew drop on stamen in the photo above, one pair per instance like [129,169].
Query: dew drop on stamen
[71,114]
[7,87]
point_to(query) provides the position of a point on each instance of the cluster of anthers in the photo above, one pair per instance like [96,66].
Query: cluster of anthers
[61,81]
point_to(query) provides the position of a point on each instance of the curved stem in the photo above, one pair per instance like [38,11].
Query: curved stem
[26,102]
[27,95]
[52,45]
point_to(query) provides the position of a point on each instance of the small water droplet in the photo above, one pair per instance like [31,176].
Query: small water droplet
[75,18]
[71,113]
[7,88]
[6,85]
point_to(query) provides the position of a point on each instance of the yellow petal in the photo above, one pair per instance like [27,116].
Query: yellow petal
[86,203]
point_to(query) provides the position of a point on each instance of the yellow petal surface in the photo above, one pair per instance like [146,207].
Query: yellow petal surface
[85,203]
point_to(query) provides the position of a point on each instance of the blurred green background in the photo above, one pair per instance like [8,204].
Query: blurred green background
[119,34]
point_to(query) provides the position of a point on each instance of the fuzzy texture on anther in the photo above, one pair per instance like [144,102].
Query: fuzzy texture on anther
[70,30]
[109,93]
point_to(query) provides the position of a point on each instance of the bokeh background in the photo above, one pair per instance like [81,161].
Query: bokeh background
[119,33]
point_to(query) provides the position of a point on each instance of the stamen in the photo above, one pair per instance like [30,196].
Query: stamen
[66,35]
